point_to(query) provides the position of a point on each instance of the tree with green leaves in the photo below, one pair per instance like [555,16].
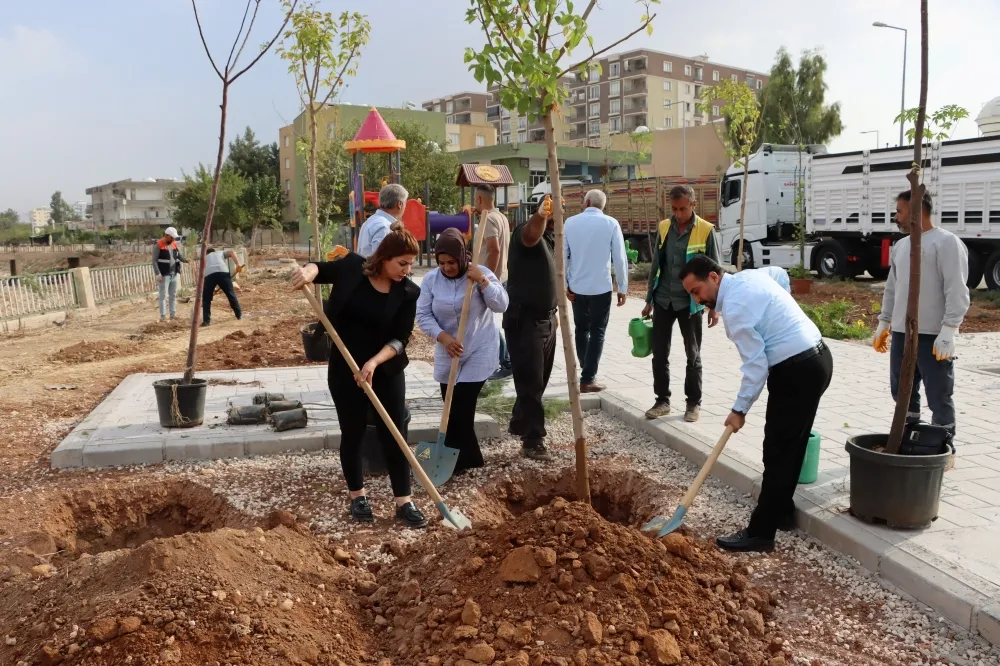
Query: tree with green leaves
[793,104]
[261,202]
[527,50]
[938,126]
[9,218]
[251,158]
[61,211]
[191,200]
[741,110]
[321,50]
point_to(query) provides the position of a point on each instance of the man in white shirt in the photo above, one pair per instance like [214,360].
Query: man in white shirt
[497,243]
[782,347]
[593,241]
[944,300]
[391,204]
[217,275]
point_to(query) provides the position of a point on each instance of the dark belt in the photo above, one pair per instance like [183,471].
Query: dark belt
[521,310]
[804,356]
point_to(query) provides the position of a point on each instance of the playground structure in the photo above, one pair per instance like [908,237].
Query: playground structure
[374,136]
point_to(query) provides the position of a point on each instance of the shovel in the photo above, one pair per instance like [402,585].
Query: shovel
[663,525]
[437,459]
[455,518]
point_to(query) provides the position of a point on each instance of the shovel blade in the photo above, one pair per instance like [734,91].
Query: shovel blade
[453,518]
[674,523]
[437,460]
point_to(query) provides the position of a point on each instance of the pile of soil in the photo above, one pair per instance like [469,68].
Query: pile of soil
[561,585]
[165,328]
[98,350]
[278,346]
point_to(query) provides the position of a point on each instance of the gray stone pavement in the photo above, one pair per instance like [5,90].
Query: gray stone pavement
[125,429]
[952,566]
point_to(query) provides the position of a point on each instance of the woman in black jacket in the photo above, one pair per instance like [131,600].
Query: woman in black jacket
[372,306]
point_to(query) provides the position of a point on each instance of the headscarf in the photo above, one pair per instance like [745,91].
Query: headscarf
[451,242]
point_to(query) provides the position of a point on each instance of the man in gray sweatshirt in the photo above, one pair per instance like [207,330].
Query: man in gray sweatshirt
[944,300]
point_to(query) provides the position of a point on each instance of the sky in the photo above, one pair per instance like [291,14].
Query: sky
[93,91]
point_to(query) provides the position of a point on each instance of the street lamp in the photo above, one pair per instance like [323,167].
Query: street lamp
[902,104]
[877,144]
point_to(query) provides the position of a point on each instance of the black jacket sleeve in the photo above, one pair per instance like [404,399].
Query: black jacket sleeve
[331,271]
[403,320]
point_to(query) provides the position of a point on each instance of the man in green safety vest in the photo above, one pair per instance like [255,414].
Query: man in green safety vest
[678,239]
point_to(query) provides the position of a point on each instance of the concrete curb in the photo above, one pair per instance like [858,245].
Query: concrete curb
[973,603]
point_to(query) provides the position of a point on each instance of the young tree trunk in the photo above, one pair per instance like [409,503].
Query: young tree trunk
[206,234]
[314,190]
[908,368]
[743,209]
[572,376]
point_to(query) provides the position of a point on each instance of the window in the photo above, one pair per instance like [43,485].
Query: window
[331,130]
[697,92]
[615,70]
[687,88]
[522,137]
[595,126]
[288,163]
[760,84]
[454,139]
[506,138]
[668,66]
[616,125]
[595,73]
[687,107]
[749,81]
[668,86]
[505,125]
[522,122]
[715,110]
[715,75]
[286,141]
[449,107]
[288,186]
[667,103]
[449,120]
[668,122]
[437,108]
[615,89]
[504,113]
[480,140]
[594,92]
[616,107]
[698,73]
[595,109]
[687,70]
[537,177]
[731,191]
[736,79]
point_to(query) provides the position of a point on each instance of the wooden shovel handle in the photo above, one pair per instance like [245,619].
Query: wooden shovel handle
[706,469]
[414,464]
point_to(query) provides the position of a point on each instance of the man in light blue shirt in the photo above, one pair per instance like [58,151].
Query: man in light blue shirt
[782,347]
[391,204]
[779,275]
[593,241]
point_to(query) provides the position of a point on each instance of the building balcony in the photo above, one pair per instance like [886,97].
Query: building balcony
[634,122]
[464,104]
[578,134]
[536,136]
[462,118]
[635,87]
[635,105]
[633,65]
[493,112]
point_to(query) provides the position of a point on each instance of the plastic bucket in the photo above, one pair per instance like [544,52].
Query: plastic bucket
[316,343]
[901,491]
[641,332]
[189,410]
[372,458]
[810,464]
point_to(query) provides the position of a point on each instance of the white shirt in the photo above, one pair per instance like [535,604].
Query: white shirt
[216,263]
[373,231]
[779,275]
[766,325]
[592,241]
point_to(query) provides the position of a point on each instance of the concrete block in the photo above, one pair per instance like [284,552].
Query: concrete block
[843,534]
[269,442]
[486,427]
[988,623]
[926,583]
[129,452]
[69,453]
[205,448]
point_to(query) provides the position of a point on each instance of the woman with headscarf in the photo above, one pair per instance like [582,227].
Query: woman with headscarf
[439,309]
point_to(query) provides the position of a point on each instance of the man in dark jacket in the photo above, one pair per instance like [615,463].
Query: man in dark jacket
[167,260]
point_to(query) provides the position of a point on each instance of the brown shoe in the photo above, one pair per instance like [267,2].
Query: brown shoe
[592,387]
[692,413]
[661,408]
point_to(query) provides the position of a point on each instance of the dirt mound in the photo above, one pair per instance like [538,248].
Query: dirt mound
[561,585]
[278,346]
[99,350]
[164,328]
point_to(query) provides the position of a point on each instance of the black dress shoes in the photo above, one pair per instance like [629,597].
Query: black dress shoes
[742,542]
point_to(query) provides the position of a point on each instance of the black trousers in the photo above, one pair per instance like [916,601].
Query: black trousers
[590,316]
[531,341]
[794,390]
[663,328]
[352,413]
[223,280]
[462,424]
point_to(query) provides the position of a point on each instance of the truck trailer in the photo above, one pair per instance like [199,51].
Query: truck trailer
[847,201]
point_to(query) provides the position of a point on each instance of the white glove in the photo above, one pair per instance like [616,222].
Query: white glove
[944,344]
[879,342]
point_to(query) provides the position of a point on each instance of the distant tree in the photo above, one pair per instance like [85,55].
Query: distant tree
[61,211]
[251,158]
[793,108]
[192,200]
[261,202]
[9,218]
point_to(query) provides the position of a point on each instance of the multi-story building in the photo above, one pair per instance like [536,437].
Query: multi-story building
[514,128]
[466,126]
[133,202]
[622,92]
[40,218]
[80,208]
[330,120]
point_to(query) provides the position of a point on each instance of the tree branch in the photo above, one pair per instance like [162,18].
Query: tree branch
[253,19]
[503,35]
[201,33]
[609,47]
[340,76]
[267,47]
[229,59]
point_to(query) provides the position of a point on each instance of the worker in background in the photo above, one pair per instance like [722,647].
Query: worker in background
[944,300]
[678,239]
[391,205]
[497,242]
[217,275]
[782,347]
[167,260]
[593,241]
[530,326]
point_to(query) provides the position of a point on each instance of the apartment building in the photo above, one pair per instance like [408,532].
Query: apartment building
[625,91]
[514,128]
[466,126]
[40,218]
[133,201]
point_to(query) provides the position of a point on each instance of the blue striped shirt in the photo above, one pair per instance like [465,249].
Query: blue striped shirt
[593,241]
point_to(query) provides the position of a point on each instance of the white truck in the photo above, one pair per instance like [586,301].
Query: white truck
[849,206]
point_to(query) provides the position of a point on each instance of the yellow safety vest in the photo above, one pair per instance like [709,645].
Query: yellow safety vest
[697,243]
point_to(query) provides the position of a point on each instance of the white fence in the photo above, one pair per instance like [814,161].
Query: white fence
[36,294]
[116,282]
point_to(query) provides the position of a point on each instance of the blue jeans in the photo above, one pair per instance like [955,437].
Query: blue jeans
[590,316]
[938,378]
[168,287]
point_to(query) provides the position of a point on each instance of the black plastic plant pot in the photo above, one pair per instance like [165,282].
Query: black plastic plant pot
[899,491]
[180,405]
[372,458]
[316,343]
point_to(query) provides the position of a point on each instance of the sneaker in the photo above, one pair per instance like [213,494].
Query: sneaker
[536,451]
[173,317]
[361,510]
[591,387]
[661,408]
[163,318]
[206,323]
[411,516]
[692,413]
[501,373]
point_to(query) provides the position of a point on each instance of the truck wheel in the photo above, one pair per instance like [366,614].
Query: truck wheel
[993,271]
[976,269]
[830,260]
[747,253]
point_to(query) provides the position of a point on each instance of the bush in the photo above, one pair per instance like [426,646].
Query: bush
[640,271]
[833,321]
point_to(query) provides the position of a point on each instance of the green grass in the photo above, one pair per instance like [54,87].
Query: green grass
[493,402]
[985,299]
[833,321]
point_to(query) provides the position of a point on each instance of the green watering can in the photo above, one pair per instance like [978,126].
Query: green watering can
[640,329]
